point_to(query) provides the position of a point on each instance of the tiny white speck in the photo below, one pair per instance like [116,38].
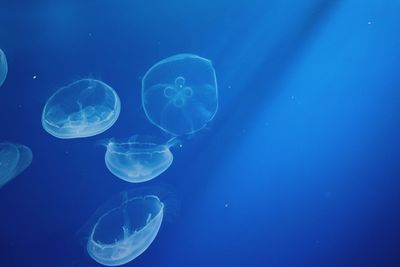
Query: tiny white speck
[226,205]
[34,77]
[180,145]
[369,22]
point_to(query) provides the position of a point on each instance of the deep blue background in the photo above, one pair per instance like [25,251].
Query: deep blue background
[300,167]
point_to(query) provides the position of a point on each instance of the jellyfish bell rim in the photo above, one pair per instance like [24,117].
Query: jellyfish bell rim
[26,152]
[161,210]
[166,194]
[10,174]
[131,159]
[180,57]
[173,58]
[48,125]
[122,148]
[127,240]
[114,202]
[3,58]
[141,144]
[139,148]
[128,178]
[23,160]
[133,252]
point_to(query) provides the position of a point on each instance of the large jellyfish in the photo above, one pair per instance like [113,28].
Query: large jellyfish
[3,67]
[138,159]
[125,231]
[179,94]
[84,108]
[14,158]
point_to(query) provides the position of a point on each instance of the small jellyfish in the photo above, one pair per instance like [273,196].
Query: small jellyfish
[3,67]
[179,94]
[138,159]
[125,231]
[14,158]
[84,108]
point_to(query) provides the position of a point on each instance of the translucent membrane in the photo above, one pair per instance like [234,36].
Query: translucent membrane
[3,67]
[124,232]
[14,158]
[138,159]
[84,108]
[179,94]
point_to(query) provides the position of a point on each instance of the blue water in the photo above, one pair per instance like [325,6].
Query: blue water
[299,167]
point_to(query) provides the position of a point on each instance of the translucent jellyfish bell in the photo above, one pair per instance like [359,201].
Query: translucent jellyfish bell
[125,231]
[138,159]
[179,94]
[84,108]
[3,67]
[14,159]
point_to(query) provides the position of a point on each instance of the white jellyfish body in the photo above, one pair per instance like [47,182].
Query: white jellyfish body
[14,158]
[124,232]
[84,108]
[138,159]
[179,94]
[3,67]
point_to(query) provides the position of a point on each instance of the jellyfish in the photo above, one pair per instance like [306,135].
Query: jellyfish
[14,158]
[126,230]
[139,158]
[3,67]
[179,94]
[84,108]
